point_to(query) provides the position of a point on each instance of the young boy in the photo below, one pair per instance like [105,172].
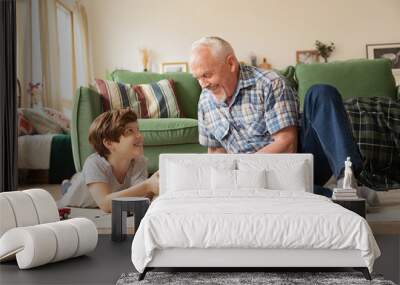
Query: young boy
[118,167]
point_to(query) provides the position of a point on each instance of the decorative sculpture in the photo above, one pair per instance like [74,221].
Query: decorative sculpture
[348,174]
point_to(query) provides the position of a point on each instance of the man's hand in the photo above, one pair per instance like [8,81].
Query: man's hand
[216,150]
[285,141]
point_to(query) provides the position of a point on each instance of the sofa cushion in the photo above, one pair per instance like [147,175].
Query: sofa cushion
[352,78]
[42,122]
[153,100]
[169,131]
[116,95]
[159,99]
[187,88]
[24,126]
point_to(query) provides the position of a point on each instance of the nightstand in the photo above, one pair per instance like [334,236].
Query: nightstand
[121,207]
[356,205]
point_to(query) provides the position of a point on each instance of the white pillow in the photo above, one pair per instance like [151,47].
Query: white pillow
[182,177]
[188,176]
[223,179]
[251,178]
[281,174]
[293,179]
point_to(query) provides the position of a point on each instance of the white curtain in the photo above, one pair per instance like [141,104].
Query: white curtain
[49,50]
[82,49]
[49,53]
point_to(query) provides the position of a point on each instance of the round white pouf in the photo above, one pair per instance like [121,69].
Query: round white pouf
[87,234]
[33,246]
[45,205]
[67,240]
[23,208]
[7,218]
[41,244]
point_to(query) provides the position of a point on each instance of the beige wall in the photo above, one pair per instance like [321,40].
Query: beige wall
[271,28]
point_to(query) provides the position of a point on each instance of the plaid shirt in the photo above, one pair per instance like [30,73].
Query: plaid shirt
[262,104]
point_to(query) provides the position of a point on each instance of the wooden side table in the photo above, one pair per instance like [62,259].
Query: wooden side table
[356,205]
[120,209]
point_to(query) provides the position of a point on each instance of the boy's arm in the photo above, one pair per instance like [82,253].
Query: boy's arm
[103,196]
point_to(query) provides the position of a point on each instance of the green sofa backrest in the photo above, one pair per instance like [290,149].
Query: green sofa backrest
[186,86]
[352,78]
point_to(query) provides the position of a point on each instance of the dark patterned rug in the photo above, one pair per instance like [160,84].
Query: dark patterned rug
[270,278]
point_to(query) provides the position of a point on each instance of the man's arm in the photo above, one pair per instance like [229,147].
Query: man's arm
[285,141]
[216,150]
[205,138]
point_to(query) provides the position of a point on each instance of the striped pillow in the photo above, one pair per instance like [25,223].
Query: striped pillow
[154,100]
[117,95]
[160,99]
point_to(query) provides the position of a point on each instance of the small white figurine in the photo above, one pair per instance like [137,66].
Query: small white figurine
[348,174]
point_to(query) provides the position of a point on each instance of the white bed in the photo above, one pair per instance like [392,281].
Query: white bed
[201,219]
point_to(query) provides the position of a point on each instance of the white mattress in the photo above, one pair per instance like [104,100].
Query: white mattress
[252,219]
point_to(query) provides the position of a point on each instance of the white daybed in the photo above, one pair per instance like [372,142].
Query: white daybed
[247,211]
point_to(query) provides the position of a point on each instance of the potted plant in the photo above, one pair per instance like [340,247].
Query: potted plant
[324,50]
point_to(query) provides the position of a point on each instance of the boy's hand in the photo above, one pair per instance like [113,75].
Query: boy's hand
[154,183]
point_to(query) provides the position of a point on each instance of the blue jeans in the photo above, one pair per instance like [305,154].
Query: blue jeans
[326,133]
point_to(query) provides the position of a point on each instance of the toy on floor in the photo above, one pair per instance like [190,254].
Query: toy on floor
[64,213]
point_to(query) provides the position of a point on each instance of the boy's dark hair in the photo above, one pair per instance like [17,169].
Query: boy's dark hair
[109,126]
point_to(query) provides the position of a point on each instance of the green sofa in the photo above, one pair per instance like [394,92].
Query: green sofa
[167,135]
[353,78]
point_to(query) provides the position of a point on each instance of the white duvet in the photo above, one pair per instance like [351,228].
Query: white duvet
[250,219]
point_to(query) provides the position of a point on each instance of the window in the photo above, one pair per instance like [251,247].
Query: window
[65,36]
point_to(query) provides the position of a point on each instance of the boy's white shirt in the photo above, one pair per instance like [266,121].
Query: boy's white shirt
[78,194]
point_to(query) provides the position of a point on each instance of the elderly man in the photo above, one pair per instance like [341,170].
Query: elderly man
[243,109]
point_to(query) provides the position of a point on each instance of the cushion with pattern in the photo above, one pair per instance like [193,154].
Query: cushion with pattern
[154,100]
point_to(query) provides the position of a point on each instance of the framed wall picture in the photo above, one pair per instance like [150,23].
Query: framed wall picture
[389,51]
[307,56]
[174,67]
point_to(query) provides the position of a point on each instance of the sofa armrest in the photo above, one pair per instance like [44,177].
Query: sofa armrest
[87,106]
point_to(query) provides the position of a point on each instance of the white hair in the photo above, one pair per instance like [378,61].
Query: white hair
[219,47]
